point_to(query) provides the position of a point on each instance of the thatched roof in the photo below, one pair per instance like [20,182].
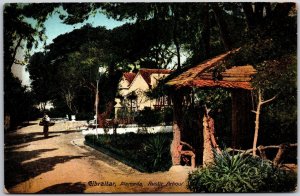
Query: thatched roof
[203,75]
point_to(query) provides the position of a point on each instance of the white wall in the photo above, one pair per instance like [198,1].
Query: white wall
[139,86]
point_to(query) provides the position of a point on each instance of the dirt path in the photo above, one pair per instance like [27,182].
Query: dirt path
[63,164]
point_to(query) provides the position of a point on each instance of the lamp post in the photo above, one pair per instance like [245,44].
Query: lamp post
[101,70]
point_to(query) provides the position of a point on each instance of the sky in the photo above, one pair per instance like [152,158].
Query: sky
[55,27]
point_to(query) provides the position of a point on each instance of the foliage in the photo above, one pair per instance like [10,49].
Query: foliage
[167,114]
[154,35]
[84,116]
[145,152]
[238,173]
[19,102]
[125,113]
[43,78]
[150,117]
[19,33]
[213,98]
[280,116]
[72,69]
[157,150]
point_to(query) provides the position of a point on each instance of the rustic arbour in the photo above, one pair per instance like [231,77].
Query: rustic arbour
[209,74]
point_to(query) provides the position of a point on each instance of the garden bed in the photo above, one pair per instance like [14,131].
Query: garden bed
[129,128]
[144,152]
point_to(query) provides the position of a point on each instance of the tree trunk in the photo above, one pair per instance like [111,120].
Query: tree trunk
[13,58]
[208,156]
[211,126]
[279,155]
[177,126]
[225,37]
[175,36]
[262,152]
[257,112]
[259,9]
[206,32]
[248,10]
[209,140]
[282,10]
[256,128]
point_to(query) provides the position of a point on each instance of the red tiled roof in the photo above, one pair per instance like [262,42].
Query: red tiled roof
[129,76]
[146,73]
[202,75]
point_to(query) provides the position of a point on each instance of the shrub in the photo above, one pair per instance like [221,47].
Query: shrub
[157,153]
[240,173]
[167,114]
[85,116]
[148,117]
[145,152]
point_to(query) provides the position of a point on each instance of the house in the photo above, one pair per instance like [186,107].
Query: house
[133,88]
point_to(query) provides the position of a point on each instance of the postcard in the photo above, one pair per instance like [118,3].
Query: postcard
[150,97]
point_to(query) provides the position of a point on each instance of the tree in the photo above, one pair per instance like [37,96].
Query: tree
[185,22]
[277,77]
[43,79]
[19,35]
[18,101]
[205,32]
[71,64]
[274,55]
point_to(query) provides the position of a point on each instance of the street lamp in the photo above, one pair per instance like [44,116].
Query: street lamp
[101,70]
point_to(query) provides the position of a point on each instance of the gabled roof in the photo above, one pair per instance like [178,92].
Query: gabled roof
[146,73]
[202,75]
[129,76]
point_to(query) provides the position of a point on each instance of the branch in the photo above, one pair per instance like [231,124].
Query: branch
[263,102]
[18,62]
[254,111]
[188,145]
[16,49]
[249,151]
[262,147]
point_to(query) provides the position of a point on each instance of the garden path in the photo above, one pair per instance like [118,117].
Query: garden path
[63,164]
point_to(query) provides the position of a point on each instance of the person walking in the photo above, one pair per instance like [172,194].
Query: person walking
[46,122]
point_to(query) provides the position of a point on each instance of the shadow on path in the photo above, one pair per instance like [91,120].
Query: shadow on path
[19,138]
[24,138]
[26,124]
[64,188]
[13,164]
[15,172]
[13,147]
[104,156]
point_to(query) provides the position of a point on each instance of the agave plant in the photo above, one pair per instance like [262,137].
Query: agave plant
[157,150]
[240,173]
